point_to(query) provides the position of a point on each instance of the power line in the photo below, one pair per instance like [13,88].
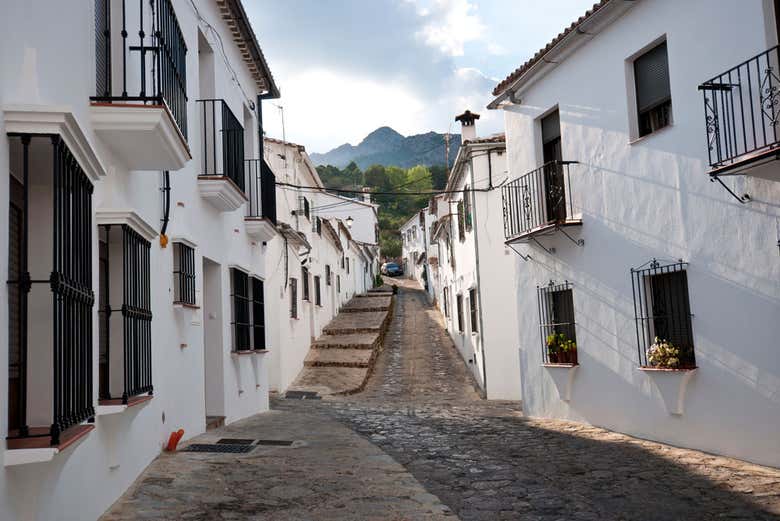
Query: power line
[346,191]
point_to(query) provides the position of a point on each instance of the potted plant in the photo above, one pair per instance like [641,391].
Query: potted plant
[561,349]
[664,354]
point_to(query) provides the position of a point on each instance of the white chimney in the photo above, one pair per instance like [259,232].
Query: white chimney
[468,131]
[366,194]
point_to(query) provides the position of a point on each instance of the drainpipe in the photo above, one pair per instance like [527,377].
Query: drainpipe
[476,256]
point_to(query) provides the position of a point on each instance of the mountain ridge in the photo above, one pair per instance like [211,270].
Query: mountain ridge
[385,146]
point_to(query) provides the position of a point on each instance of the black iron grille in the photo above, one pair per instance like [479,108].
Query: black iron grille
[222,138]
[242,322]
[556,323]
[219,448]
[235,441]
[183,274]
[262,190]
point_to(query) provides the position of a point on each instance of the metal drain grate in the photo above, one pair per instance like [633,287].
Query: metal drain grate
[302,395]
[235,441]
[278,443]
[216,447]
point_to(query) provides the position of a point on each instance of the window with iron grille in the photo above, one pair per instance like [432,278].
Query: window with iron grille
[473,309]
[342,262]
[467,220]
[306,208]
[317,294]
[258,314]
[338,283]
[663,315]
[556,323]
[446,302]
[305,279]
[241,320]
[461,222]
[347,263]
[318,226]
[183,274]
[460,312]
[327,275]
[293,298]
[653,93]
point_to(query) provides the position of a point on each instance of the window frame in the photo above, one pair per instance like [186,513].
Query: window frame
[459,305]
[636,114]
[240,304]
[305,294]
[293,298]
[557,316]
[184,275]
[259,341]
[474,310]
[317,291]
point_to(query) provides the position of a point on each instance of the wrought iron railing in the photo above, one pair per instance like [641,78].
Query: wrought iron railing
[537,199]
[222,137]
[742,109]
[70,283]
[262,190]
[662,311]
[147,37]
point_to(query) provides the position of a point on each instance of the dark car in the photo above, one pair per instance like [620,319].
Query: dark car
[393,270]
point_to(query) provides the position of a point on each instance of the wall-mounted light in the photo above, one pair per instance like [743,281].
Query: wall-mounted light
[350,220]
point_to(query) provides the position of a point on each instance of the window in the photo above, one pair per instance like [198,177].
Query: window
[338,283]
[460,312]
[347,262]
[446,299]
[556,323]
[342,262]
[183,274]
[663,315]
[552,171]
[241,320]
[305,207]
[293,298]
[653,93]
[317,294]
[258,314]
[327,275]
[467,219]
[305,279]
[473,305]
[461,222]
[318,226]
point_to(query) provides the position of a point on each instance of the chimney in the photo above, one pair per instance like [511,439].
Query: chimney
[366,194]
[468,129]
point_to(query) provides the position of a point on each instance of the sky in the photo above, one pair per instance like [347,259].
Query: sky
[347,67]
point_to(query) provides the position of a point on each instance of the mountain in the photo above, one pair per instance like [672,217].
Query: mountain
[385,146]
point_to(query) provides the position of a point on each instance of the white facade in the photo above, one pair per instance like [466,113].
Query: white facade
[197,367]
[649,198]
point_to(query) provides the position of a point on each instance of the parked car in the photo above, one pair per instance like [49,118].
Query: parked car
[393,270]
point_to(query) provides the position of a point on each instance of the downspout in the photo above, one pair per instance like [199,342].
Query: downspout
[166,191]
[476,256]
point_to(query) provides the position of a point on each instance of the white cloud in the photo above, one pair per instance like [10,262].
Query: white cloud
[450,25]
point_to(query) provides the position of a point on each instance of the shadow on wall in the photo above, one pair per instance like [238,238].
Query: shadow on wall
[558,473]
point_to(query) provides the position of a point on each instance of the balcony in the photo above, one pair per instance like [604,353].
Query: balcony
[742,112]
[222,180]
[140,106]
[538,203]
[260,221]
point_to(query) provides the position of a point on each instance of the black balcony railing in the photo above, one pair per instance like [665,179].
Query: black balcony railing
[146,36]
[742,109]
[262,190]
[537,199]
[222,137]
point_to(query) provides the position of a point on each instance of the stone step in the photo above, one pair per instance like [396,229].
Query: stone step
[331,380]
[214,422]
[347,323]
[350,341]
[357,305]
[372,293]
[338,358]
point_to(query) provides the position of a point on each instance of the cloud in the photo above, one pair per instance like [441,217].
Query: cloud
[450,24]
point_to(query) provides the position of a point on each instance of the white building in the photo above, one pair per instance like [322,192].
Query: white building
[467,259]
[614,131]
[142,243]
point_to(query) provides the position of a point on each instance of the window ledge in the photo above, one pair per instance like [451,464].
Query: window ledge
[261,351]
[185,305]
[243,352]
[637,140]
[23,451]
[115,405]
[563,377]
[672,385]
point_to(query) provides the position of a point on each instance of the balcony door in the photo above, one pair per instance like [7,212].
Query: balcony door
[554,192]
[15,231]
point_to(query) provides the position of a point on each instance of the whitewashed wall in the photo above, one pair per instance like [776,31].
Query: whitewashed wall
[652,198]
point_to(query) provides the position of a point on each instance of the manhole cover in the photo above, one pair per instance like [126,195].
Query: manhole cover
[235,441]
[280,443]
[216,447]
[301,395]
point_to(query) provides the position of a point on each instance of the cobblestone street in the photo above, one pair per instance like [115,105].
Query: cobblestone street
[418,443]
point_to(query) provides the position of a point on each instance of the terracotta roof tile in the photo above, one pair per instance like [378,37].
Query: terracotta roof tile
[517,73]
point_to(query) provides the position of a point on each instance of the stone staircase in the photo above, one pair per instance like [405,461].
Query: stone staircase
[341,360]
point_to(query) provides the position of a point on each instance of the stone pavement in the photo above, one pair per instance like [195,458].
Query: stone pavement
[484,460]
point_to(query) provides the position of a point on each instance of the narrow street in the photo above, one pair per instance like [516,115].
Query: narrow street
[419,444]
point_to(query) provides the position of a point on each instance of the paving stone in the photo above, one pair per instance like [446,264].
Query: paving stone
[348,341]
[346,323]
[368,303]
[331,380]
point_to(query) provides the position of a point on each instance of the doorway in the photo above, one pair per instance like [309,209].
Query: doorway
[213,352]
[555,192]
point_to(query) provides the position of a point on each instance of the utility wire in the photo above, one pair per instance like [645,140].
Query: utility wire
[431,192]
